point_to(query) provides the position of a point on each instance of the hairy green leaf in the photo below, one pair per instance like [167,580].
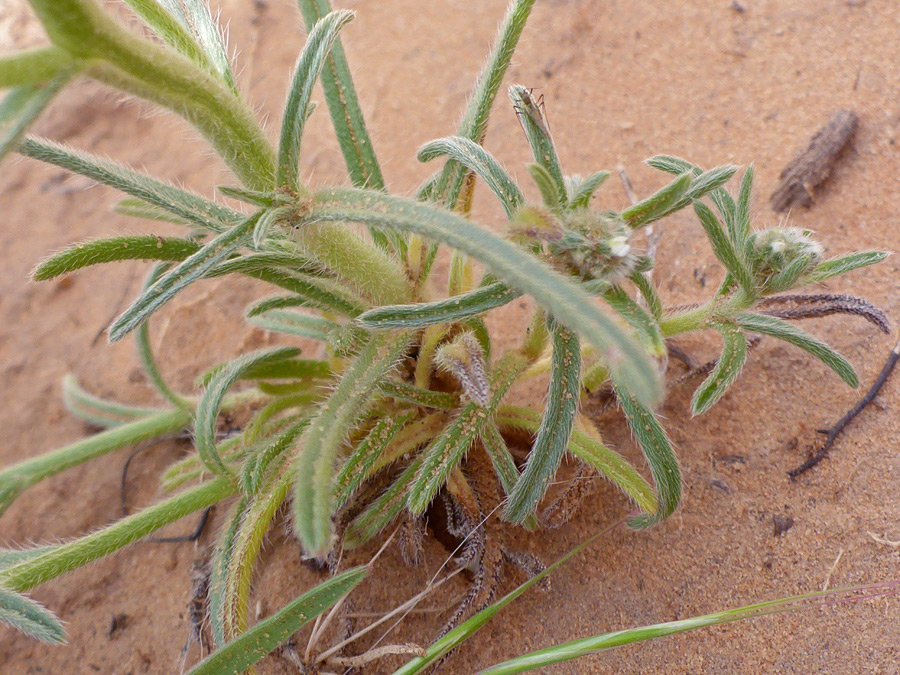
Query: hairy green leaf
[726,371]
[570,305]
[555,430]
[102,251]
[769,325]
[30,617]
[476,159]
[847,263]
[33,67]
[22,106]
[451,310]
[724,248]
[583,190]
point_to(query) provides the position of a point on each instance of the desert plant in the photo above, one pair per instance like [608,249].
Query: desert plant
[408,383]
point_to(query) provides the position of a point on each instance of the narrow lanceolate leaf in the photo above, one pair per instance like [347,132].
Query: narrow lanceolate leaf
[195,16]
[323,439]
[383,510]
[476,159]
[279,367]
[346,114]
[324,294]
[188,271]
[138,208]
[110,250]
[649,293]
[98,411]
[451,310]
[711,183]
[723,247]
[473,126]
[312,59]
[504,464]
[30,617]
[33,67]
[74,554]
[208,408]
[740,231]
[218,571]
[22,106]
[546,185]
[274,302]
[426,398]
[445,452]
[788,277]
[658,452]
[769,325]
[294,323]
[269,634]
[256,467]
[14,556]
[570,305]
[363,457]
[658,205]
[254,262]
[534,123]
[191,207]
[556,427]
[166,19]
[590,450]
[728,367]
[585,189]
[847,263]
[645,324]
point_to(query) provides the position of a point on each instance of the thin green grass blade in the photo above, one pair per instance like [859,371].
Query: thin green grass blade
[663,463]
[724,248]
[193,208]
[583,190]
[74,554]
[574,649]
[208,408]
[102,251]
[269,634]
[294,323]
[769,325]
[445,452]
[728,367]
[314,473]
[30,617]
[33,67]
[195,16]
[555,430]
[475,158]
[184,274]
[22,106]
[658,205]
[570,305]
[534,123]
[363,457]
[312,60]
[847,263]
[451,310]
[437,650]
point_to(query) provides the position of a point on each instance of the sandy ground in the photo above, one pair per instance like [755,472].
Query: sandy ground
[622,81]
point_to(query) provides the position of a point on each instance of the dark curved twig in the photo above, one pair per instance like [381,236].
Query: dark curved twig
[836,430]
